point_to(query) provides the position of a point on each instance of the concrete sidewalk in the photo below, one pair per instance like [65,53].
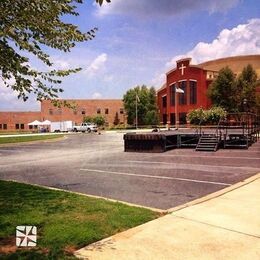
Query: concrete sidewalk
[224,225]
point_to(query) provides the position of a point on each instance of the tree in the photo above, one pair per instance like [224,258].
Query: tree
[152,117]
[116,120]
[235,94]
[88,119]
[30,27]
[146,102]
[99,120]
[246,86]
[223,91]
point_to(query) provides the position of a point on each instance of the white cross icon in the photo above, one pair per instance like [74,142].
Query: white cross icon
[182,68]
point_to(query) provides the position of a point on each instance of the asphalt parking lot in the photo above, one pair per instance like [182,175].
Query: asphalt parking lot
[97,165]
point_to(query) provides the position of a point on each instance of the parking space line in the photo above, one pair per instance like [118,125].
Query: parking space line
[206,156]
[157,177]
[197,165]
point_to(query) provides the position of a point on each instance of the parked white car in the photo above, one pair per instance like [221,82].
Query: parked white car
[85,127]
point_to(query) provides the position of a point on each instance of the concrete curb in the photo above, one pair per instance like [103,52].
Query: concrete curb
[215,194]
[95,197]
[108,240]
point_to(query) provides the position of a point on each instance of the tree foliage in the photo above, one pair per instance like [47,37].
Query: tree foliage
[116,119]
[30,28]
[221,91]
[235,94]
[98,120]
[246,89]
[146,105]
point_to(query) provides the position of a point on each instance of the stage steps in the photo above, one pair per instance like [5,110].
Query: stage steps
[208,143]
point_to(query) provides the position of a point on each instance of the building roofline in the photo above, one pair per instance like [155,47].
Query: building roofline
[84,99]
[229,58]
[192,66]
[19,111]
[161,88]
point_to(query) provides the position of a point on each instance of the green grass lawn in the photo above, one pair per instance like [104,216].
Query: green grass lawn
[64,221]
[19,139]
[14,133]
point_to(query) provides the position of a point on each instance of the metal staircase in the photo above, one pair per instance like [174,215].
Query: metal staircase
[208,143]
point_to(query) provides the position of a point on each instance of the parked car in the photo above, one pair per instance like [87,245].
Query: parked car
[85,127]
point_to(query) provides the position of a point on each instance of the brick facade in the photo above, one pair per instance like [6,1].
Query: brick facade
[17,121]
[110,109]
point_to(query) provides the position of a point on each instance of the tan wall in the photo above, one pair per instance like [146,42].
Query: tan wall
[89,106]
[236,64]
[10,119]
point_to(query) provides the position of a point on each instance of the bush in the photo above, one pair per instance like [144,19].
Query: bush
[196,116]
[211,116]
[215,114]
[98,120]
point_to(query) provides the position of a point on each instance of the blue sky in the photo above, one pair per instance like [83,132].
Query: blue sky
[139,40]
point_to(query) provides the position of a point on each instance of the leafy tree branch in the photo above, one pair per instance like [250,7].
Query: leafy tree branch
[29,27]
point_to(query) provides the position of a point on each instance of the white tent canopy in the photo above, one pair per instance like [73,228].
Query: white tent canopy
[35,122]
[46,122]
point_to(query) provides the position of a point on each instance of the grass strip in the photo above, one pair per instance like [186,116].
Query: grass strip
[20,139]
[65,221]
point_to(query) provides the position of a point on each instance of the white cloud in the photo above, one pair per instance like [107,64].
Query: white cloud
[96,95]
[150,8]
[62,64]
[10,102]
[7,94]
[241,40]
[96,65]
[108,78]
[158,80]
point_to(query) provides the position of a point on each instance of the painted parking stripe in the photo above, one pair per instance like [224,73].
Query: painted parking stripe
[205,156]
[196,165]
[156,177]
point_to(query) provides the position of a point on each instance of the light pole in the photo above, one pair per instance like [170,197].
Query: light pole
[177,90]
[136,111]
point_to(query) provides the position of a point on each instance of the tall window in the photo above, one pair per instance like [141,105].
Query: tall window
[5,126]
[0,126]
[164,101]
[193,92]
[183,96]
[98,110]
[17,126]
[106,111]
[172,94]
[121,111]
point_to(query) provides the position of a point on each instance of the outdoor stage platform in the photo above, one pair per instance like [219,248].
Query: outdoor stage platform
[227,134]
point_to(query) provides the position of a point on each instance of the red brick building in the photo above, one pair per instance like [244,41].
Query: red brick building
[18,121]
[194,81]
[111,109]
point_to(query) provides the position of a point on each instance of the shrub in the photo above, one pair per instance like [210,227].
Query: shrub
[196,116]
[215,114]
[211,116]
